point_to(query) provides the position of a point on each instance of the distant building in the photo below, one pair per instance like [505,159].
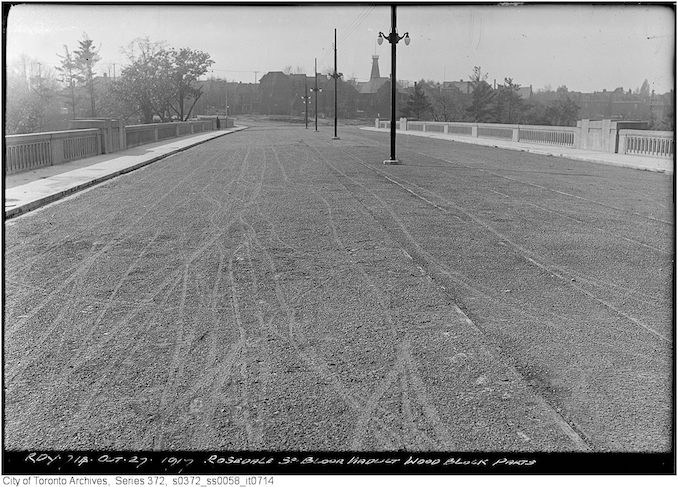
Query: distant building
[276,91]
[217,94]
[465,87]
[525,92]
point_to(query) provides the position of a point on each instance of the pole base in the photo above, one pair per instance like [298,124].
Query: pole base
[335,138]
[391,161]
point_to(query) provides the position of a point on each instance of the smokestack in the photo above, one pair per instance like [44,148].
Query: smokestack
[375,67]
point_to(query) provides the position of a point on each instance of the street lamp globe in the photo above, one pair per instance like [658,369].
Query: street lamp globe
[380,39]
[407,39]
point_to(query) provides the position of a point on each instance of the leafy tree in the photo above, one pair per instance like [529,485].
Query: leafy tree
[564,112]
[160,81]
[483,103]
[85,58]
[418,103]
[186,66]
[144,86]
[509,102]
[645,89]
[483,107]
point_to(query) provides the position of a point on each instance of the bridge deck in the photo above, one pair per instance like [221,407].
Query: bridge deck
[274,289]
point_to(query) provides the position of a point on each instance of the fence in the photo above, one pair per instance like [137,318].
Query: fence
[31,151]
[621,137]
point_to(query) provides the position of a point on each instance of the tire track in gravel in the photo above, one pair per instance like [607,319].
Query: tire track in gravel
[77,214]
[568,428]
[81,268]
[85,351]
[298,341]
[373,402]
[550,268]
[253,437]
[112,370]
[179,357]
[158,178]
[426,259]
[33,356]
[625,212]
[177,364]
[611,234]
[563,193]
[305,351]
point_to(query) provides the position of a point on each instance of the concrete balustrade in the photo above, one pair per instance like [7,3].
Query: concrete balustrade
[647,143]
[537,134]
[30,151]
[87,138]
[623,137]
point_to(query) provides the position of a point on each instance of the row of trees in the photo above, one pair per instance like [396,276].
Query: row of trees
[502,104]
[157,83]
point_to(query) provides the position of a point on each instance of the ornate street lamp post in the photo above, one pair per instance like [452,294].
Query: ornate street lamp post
[316,90]
[307,100]
[336,76]
[393,38]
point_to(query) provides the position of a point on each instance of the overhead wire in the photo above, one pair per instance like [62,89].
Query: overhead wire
[349,31]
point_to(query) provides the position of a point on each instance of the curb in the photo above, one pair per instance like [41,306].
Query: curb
[25,208]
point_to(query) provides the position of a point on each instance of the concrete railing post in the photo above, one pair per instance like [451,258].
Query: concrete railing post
[57,150]
[474,130]
[605,136]
[583,133]
[515,137]
[155,134]
[622,143]
[403,123]
[376,123]
[446,129]
[121,134]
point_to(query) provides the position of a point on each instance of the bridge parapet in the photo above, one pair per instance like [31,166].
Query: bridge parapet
[647,143]
[88,138]
[623,137]
[31,151]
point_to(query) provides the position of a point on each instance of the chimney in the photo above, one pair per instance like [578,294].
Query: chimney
[375,67]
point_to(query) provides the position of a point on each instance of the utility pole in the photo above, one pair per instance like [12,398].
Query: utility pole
[393,38]
[336,76]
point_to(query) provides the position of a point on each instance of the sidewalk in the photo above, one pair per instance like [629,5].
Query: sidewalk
[647,163]
[29,190]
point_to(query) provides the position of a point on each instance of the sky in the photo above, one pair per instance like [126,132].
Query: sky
[585,47]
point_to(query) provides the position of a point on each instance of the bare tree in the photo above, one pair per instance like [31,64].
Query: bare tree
[69,75]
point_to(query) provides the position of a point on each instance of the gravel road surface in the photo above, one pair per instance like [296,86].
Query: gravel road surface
[274,289]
